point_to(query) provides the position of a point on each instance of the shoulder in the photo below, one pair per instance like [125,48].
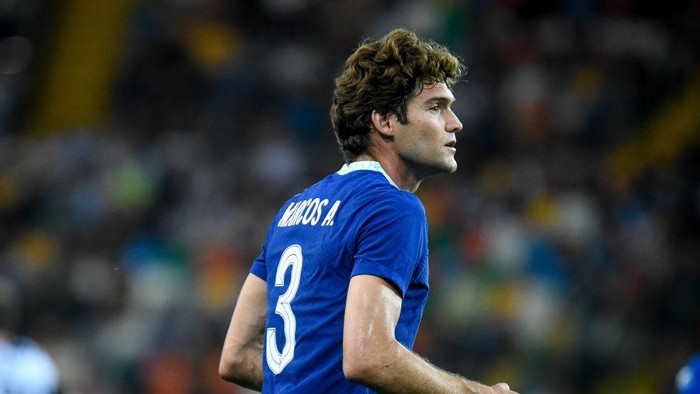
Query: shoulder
[392,199]
[386,205]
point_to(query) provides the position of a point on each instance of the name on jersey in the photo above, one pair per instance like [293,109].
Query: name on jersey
[309,212]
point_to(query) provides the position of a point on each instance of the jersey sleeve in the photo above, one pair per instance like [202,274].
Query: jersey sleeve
[259,268]
[391,240]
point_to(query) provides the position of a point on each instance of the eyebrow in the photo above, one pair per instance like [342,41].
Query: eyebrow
[442,100]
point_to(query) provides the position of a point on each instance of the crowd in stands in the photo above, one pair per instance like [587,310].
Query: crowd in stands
[565,251]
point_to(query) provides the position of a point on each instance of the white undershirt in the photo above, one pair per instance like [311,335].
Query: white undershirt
[368,165]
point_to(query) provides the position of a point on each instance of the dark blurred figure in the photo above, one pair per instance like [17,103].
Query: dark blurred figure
[25,368]
[688,378]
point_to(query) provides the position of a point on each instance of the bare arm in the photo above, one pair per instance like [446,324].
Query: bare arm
[241,357]
[374,358]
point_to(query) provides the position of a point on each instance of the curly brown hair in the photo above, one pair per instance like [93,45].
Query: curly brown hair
[383,76]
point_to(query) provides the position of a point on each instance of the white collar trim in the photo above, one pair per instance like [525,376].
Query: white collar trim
[365,165]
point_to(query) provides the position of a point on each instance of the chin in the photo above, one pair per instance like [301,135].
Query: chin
[446,168]
[451,167]
[437,167]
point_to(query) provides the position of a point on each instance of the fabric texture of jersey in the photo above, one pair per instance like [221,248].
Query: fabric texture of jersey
[353,222]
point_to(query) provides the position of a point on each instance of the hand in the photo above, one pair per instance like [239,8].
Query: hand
[502,388]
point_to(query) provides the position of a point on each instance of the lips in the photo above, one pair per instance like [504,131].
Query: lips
[451,144]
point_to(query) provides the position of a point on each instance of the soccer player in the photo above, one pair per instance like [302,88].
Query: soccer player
[333,302]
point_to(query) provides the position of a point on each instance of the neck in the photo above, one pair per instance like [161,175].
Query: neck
[395,168]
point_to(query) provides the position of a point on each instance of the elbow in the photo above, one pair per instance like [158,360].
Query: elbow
[355,370]
[371,363]
[226,371]
[360,367]
[242,368]
[230,367]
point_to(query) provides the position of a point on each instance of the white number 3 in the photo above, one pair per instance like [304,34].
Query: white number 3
[277,360]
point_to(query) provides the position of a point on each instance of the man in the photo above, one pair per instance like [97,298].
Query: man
[334,300]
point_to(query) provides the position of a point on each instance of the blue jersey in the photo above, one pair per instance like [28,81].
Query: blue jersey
[353,222]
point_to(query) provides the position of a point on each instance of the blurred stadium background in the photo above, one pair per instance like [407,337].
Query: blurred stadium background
[145,145]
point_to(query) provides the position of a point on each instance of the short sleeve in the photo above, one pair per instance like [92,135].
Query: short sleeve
[391,239]
[259,267]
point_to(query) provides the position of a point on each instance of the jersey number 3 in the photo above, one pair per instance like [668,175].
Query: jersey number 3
[277,360]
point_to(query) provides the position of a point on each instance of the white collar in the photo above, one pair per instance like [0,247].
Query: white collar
[368,165]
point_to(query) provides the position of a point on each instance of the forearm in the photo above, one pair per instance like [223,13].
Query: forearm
[241,356]
[373,357]
[427,377]
[396,369]
[244,371]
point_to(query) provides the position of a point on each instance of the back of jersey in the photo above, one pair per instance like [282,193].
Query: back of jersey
[308,259]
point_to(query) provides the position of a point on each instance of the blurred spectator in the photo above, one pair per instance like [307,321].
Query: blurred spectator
[688,378]
[25,367]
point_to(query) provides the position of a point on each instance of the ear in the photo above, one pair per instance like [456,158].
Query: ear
[384,124]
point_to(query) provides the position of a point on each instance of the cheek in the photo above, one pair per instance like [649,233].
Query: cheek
[429,132]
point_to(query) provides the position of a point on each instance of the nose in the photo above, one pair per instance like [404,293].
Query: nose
[452,123]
